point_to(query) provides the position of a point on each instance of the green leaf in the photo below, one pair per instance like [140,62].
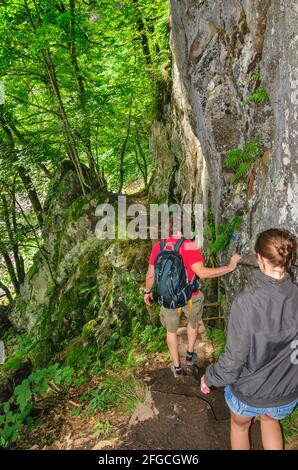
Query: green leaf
[6,407]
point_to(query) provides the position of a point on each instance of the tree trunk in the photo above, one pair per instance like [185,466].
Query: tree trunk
[6,291]
[86,137]
[54,86]
[123,151]
[26,180]
[68,134]
[12,240]
[10,268]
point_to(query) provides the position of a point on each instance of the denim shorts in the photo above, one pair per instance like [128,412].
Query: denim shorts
[241,409]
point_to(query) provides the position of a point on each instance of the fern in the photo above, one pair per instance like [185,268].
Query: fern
[234,157]
[259,96]
[241,160]
[242,171]
[219,236]
[255,77]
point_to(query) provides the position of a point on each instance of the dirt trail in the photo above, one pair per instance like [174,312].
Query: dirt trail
[173,415]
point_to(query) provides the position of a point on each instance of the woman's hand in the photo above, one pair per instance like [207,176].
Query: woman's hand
[148,298]
[204,388]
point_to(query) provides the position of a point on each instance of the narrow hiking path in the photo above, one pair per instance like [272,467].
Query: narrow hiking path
[172,415]
[175,415]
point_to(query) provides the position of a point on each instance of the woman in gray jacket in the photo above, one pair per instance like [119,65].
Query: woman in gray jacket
[259,367]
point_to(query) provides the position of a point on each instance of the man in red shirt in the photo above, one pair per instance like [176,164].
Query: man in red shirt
[170,318]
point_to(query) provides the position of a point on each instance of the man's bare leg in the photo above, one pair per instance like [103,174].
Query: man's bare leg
[172,342]
[192,334]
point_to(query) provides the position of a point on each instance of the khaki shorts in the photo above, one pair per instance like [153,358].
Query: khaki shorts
[170,317]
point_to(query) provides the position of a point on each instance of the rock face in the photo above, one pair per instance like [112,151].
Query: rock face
[225,54]
[80,288]
[234,77]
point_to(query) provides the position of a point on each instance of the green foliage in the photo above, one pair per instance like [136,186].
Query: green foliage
[32,271]
[218,236]
[123,393]
[81,355]
[255,77]
[81,379]
[10,424]
[102,427]
[241,160]
[217,338]
[259,96]
[37,384]
[289,425]
[14,362]
[130,290]
[86,88]
[20,349]
[76,411]
[125,352]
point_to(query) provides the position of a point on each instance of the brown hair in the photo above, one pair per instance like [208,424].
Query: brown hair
[277,246]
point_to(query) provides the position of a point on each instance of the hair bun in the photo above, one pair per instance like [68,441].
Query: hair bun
[283,250]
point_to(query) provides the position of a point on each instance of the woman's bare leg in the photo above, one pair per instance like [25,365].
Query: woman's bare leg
[271,433]
[239,432]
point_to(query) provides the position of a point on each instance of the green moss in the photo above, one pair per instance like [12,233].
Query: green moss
[21,306]
[71,309]
[76,209]
[42,354]
[50,290]
[81,355]
[14,363]
[32,271]
[88,328]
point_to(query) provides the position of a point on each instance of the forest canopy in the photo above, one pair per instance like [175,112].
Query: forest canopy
[79,82]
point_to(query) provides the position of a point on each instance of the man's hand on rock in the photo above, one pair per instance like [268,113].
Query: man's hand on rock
[234,261]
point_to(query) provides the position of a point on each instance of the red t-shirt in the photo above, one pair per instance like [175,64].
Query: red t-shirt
[189,251]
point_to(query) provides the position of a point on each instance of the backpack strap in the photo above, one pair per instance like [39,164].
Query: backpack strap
[179,244]
[190,308]
[162,245]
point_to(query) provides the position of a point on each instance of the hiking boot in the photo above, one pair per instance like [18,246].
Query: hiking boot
[191,358]
[177,371]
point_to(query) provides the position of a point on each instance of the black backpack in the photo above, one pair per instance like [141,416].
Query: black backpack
[173,288]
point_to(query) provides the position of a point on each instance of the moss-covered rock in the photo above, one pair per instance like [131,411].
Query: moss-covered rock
[80,289]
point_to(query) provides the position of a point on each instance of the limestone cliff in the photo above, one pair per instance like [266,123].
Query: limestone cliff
[234,78]
[80,289]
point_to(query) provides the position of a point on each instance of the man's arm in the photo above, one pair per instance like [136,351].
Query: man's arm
[149,284]
[208,273]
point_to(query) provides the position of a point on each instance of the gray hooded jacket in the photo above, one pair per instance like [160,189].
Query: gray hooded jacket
[260,361]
